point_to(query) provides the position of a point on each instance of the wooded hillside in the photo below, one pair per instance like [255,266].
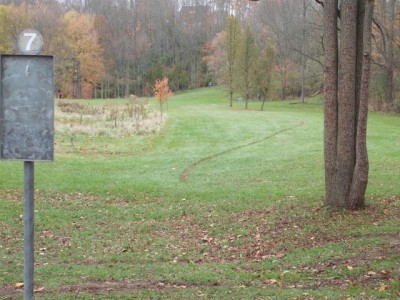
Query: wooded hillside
[114,48]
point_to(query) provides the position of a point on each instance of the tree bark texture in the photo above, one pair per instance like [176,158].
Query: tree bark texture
[347,69]
[390,54]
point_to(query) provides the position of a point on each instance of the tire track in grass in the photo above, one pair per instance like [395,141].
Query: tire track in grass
[186,173]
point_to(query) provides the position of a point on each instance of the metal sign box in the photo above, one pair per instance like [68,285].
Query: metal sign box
[27,107]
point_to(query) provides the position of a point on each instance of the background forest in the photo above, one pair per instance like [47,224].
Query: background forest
[266,49]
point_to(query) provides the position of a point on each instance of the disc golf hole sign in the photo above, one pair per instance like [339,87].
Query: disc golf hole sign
[27,107]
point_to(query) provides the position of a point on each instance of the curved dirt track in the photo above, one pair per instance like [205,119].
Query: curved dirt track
[186,173]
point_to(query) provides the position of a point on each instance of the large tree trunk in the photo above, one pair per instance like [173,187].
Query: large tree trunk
[347,68]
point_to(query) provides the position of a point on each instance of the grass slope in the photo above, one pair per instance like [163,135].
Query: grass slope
[224,203]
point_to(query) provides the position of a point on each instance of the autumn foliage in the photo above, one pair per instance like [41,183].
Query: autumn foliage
[162,92]
[84,54]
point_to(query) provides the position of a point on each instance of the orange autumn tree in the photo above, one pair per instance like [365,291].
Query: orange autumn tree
[162,92]
[85,54]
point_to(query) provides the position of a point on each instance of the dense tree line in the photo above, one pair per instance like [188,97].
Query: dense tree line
[110,48]
[114,48]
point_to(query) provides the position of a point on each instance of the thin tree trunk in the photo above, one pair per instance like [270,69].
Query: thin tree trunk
[117,84]
[262,105]
[303,58]
[360,177]
[331,99]
[283,83]
[390,50]
[127,81]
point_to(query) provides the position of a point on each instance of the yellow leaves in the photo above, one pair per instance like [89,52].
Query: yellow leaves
[383,287]
[71,16]
[19,285]
[82,40]
[13,19]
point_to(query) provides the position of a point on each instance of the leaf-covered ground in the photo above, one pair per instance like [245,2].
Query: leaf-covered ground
[296,247]
[222,203]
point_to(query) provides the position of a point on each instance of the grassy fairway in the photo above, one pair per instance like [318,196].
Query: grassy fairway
[224,203]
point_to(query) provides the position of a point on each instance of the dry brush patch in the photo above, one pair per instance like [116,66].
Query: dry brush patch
[105,129]
[125,118]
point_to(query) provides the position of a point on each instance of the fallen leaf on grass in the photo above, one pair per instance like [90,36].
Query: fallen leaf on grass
[38,290]
[282,275]
[207,239]
[200,294]
[383,287]
[272,281]
[296,286]
[19,285]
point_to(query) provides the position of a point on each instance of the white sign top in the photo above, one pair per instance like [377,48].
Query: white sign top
[30,42]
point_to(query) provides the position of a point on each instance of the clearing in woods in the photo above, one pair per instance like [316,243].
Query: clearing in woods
[119,217]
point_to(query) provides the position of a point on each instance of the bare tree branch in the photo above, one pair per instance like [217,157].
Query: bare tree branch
[320,2]
[308,56]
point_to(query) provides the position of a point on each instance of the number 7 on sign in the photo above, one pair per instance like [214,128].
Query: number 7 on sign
[30,42]
[32,37]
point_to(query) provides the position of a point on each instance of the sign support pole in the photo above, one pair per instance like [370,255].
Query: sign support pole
[29,214]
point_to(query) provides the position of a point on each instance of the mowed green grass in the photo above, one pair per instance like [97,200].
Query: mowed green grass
[224,203]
